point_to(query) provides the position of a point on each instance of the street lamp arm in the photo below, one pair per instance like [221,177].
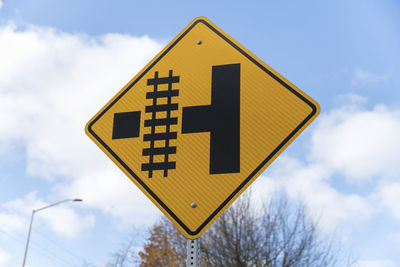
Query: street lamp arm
[57,203]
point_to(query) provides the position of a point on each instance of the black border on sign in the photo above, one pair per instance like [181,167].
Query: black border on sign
[193,233]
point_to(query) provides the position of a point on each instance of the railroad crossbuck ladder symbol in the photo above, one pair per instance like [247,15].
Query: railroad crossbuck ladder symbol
[199,124]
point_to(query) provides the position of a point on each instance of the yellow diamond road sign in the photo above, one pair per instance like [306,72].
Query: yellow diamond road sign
[199,124]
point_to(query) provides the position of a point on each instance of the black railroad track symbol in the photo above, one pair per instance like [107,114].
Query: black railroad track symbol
[127,124]
[166,122]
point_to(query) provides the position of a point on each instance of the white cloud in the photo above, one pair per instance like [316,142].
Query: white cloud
[309,183]
[65,221]
[11,222]
[374,263]
[358,143]
[389,196]
[1,4]
[4,258]
[363,77]
[51,83]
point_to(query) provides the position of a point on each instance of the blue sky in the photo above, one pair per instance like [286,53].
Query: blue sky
[60,61]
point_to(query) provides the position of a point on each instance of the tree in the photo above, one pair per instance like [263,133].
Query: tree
[166,246]
[278,234]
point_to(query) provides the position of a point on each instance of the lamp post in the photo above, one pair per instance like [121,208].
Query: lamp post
[33,213]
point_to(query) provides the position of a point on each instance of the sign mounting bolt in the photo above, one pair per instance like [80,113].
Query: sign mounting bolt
[193,205]
[199,42]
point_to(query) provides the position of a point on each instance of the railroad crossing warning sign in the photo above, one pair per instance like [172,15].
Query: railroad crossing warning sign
[199,123]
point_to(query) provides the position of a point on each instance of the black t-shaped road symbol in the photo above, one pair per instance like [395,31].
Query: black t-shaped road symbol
[221,119]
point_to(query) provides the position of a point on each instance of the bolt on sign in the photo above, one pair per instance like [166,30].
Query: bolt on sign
[199,124]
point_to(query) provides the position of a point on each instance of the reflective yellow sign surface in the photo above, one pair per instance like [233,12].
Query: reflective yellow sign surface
[199,123]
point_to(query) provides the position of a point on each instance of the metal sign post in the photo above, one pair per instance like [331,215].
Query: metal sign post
[193,253]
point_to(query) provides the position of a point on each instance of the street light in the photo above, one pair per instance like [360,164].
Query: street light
[33,213]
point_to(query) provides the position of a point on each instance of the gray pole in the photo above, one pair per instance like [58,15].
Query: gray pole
[29,236]
[193,253]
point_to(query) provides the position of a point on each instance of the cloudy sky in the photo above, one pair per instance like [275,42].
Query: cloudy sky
[61,61]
